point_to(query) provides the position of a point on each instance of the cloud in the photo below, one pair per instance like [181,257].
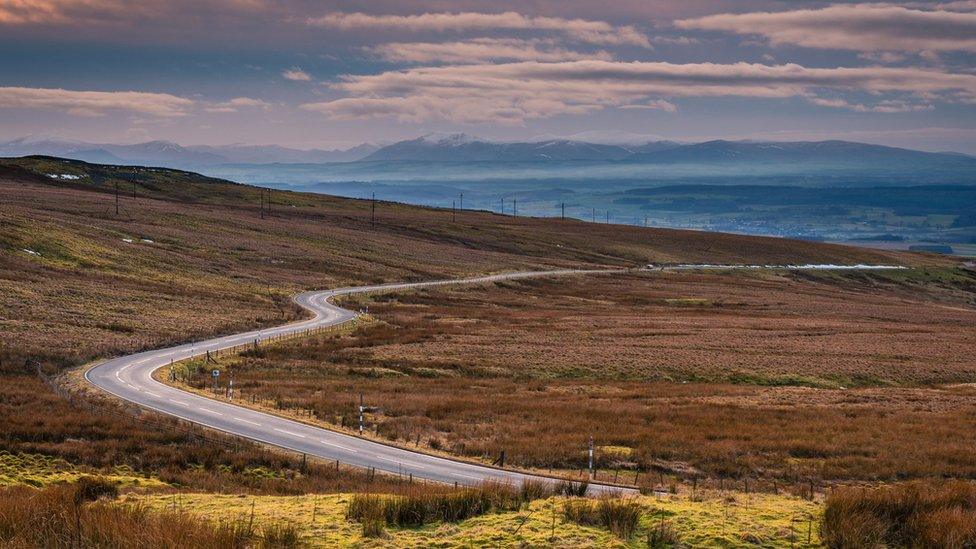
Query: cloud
[238,103]
[885,106]
[655,105]
[582,30]
[480,50]
[94,103]
[884,57]
[92,12]
[296,74]
[511,93]
[860,27]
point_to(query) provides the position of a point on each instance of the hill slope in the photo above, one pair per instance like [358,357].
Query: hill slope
[190,255]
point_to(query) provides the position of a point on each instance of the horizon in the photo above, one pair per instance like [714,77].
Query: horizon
[473,138]
[332,76]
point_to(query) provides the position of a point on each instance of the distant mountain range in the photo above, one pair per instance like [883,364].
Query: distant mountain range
[166,153]
[460,148]
[464,148]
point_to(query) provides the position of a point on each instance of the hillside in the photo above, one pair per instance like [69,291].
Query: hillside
[189,255]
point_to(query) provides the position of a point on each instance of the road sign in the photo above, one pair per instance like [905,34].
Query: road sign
[215,374]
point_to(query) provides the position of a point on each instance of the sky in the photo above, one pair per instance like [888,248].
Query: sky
[332,74]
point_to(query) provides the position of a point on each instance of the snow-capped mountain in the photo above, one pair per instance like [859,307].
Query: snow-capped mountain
[465,148]
[461,147]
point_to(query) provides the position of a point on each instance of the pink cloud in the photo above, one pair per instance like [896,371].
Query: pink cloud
[515,92]
[94,103]
[861,27]
[296,74]
[479,50]
[583,30]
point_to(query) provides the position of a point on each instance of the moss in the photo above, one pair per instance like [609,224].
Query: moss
[719,519]
[38,470]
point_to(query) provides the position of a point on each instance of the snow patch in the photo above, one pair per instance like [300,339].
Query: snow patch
[64,176]
[450,139]
[127,240]
[146,240]
[30,251]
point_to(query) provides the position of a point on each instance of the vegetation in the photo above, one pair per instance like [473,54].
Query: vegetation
[710,519]
[423,506]
[739,389]
[83,515]
[618,516]
[912,514]
[187,257]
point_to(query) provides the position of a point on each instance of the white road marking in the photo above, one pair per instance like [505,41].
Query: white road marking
[247,421]
[180,402]
[209,411]
[401,462]
[153,394]
[289,433]
[346,448]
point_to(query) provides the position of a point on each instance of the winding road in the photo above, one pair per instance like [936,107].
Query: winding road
[130,378]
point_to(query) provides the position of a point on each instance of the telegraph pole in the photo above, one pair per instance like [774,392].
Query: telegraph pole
[564,211]
[608,217]
[461,205]
[593,215]
[503,205]
[453,212]
[515,207]
[262,202]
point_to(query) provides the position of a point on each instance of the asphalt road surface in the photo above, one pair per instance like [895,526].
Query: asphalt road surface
[130,378]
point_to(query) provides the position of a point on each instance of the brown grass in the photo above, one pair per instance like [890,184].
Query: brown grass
[621,517]
[36,420]
[80,516]
[936,515]
[421,507]
[535,367]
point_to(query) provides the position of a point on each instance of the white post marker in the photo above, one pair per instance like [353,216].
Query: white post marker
[591,457]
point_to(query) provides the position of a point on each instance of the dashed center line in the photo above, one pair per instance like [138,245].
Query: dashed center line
[401,462]
[346,448]
[209,411]
[242,420]
[180,402]
[289,433]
